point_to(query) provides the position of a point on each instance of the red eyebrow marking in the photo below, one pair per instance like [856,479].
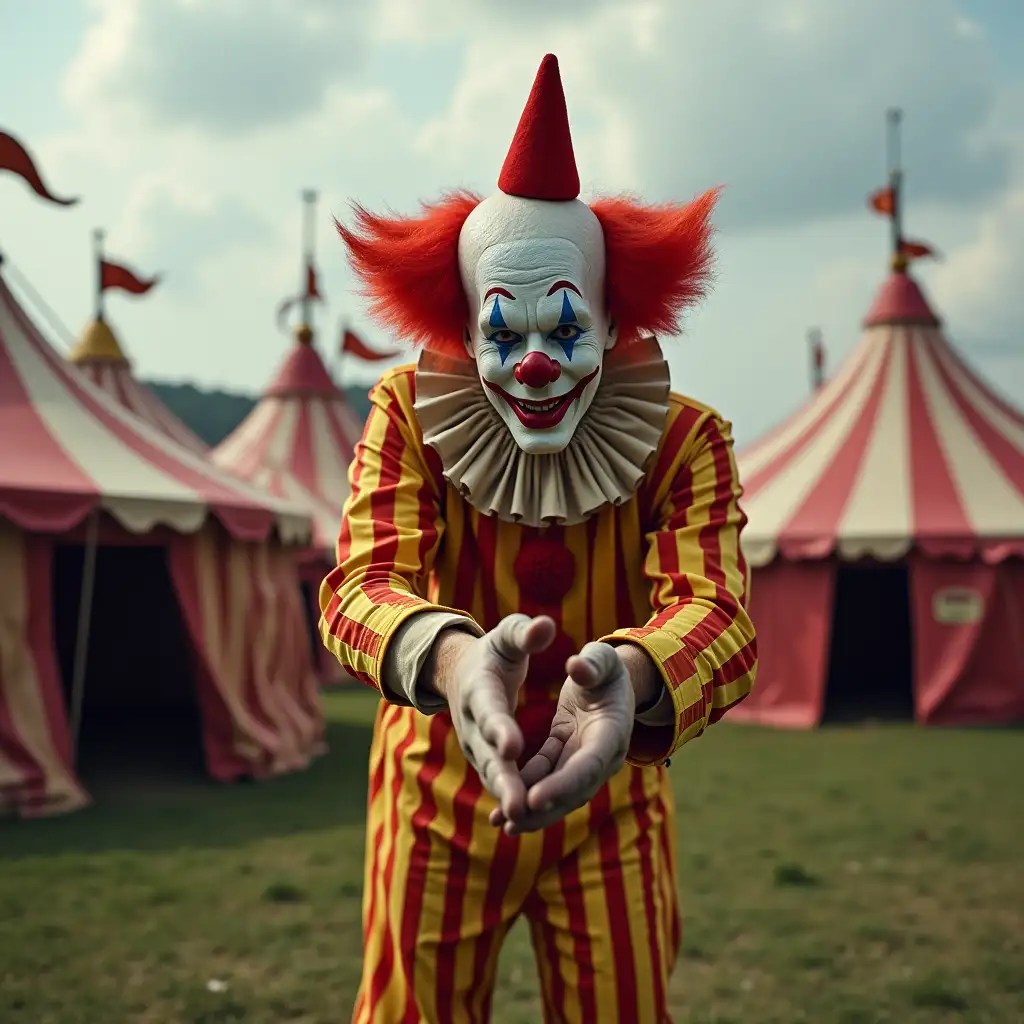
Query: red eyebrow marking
[500,291]
[564,284]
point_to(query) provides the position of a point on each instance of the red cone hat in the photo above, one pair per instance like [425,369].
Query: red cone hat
[540,163]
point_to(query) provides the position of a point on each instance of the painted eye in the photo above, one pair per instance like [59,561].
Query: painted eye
[566,332]
[504,337]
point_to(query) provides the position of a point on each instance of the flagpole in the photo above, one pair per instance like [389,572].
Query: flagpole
[309,229]
[894,117]
[97,247]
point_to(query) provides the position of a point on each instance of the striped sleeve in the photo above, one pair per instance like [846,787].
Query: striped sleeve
[700,636]
[391,528]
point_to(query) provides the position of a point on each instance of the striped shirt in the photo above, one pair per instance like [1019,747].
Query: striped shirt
[663,570]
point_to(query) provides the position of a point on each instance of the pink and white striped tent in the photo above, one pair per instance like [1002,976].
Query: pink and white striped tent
[99,356]
[906,460]
[298,443]
[76,469]
[299,440]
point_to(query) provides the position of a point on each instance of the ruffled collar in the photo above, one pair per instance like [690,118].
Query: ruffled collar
[603,464]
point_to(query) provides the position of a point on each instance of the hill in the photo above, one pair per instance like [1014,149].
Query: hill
[212,415]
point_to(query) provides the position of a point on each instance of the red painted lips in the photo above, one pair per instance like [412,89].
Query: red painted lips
[544,413]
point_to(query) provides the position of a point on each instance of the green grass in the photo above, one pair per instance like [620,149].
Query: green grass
[853,876]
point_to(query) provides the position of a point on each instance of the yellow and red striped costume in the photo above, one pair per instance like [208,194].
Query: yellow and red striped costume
[442,886]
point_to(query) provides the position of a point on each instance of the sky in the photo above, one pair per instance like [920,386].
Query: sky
[190,128]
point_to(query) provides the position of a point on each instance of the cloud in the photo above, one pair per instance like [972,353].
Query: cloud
[193,234]
[980,278]
[218,65]
[196,124]
[782,102]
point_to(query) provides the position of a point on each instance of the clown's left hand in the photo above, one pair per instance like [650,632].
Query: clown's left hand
[589,738]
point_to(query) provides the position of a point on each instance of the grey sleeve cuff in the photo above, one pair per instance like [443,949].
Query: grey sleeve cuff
[407,653]
[661,712]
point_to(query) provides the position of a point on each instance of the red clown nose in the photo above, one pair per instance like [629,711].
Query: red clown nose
[537,370]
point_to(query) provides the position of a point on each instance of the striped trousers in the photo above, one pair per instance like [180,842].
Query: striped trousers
[443,887]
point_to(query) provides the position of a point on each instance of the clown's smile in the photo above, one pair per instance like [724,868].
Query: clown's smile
[545,413]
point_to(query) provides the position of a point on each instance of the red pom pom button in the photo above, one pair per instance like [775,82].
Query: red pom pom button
[545,570]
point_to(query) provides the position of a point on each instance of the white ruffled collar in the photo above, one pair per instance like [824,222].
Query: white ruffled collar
[603,464]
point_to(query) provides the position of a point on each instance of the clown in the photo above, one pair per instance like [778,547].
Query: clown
[539,569]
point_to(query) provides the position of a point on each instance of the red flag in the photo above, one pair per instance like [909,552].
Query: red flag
[353,345]
[312,294]
[916,250]
[883,201]
[113,275]
[15,158]
[311,289]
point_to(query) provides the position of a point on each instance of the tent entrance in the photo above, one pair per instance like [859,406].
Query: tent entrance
[140,716]
[310,601]
[870,674]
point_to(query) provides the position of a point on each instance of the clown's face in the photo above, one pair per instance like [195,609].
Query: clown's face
[539,334]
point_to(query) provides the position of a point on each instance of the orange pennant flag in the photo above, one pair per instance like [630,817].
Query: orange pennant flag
[883,201]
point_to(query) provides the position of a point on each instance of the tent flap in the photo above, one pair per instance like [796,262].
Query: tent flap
[36,777]
[791,608]
[968,622]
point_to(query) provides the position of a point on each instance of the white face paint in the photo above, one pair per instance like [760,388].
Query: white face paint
[538,329]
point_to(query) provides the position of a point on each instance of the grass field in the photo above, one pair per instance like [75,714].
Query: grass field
[852,876]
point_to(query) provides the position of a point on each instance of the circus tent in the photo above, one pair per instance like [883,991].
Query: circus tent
[298,443]
[886,536]
[299,440]
[100,357]
[86,481]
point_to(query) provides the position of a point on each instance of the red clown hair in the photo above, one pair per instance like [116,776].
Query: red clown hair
[658,262]
[658,258]
[409,267]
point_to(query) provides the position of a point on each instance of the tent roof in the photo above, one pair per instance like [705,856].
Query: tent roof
[299,439]
[78,450]
[303,373]
[906,447]
[100,357]
[97,343]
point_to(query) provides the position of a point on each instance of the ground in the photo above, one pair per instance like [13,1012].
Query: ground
[852,876]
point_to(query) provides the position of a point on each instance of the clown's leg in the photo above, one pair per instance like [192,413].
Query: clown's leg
[434,915]
[605,919]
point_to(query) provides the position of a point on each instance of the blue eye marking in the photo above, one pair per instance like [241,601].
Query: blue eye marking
[505,349]
[497,320]
[567,318]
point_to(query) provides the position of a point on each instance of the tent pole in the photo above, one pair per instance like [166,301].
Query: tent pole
[82,633]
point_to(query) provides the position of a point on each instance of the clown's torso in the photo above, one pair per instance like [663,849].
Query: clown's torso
[661,568]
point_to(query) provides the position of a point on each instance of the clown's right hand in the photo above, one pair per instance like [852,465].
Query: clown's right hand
[480,679]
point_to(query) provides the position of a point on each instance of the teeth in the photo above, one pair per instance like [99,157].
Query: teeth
[541,406]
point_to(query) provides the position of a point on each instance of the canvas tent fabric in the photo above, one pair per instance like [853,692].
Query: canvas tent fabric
[299,440]
[100,357]
[905,456]
[298,443]
[82,465]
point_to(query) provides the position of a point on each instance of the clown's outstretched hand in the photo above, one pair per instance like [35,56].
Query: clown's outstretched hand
[480,678]
[588,742]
